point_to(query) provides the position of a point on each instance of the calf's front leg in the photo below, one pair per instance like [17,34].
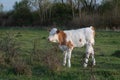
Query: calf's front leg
[65,57]
[69,58]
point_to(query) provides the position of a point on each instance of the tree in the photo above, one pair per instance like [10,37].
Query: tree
[22,14]
[1,7]
[61,13]
[43,8]
[72,5]
[110,6]
[88,5]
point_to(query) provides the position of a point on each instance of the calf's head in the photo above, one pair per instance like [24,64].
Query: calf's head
[53,35]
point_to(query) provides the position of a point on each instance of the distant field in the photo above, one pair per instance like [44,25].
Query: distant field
[33,46]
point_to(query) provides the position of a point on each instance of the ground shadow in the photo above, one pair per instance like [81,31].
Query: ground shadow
[116,53]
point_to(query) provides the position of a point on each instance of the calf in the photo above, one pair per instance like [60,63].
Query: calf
[68,39]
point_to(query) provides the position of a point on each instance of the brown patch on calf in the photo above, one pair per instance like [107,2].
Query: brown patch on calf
[80,40]
[62,39]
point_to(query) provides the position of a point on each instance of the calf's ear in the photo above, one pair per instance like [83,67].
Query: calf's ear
[57,31]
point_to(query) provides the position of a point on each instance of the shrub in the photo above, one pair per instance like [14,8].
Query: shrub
[9,44]
[2,59]
[10,47]
[21,68]
[52,60]
[48,57]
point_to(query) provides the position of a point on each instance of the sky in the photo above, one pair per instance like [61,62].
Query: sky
[8,4]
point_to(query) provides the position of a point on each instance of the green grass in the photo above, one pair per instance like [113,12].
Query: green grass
[107,54]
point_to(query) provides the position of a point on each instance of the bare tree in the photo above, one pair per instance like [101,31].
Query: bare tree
[42,6]
[72,5]
[88,4]
[62,1]
[1,7]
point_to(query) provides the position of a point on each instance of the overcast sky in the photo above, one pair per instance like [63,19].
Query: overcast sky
[8,4]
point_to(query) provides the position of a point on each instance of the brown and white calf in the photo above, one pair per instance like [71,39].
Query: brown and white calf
[68,39]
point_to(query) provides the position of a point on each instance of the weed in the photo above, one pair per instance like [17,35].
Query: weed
[9,44]
[21,68]
[47,57]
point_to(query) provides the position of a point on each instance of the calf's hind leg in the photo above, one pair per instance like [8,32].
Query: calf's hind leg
[89,50]
[86,59]
[93,58]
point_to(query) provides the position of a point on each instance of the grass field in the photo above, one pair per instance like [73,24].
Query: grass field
[34,58]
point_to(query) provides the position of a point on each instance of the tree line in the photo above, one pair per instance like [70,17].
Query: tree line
[70,13]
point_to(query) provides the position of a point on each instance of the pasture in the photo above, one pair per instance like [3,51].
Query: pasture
[34,58]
